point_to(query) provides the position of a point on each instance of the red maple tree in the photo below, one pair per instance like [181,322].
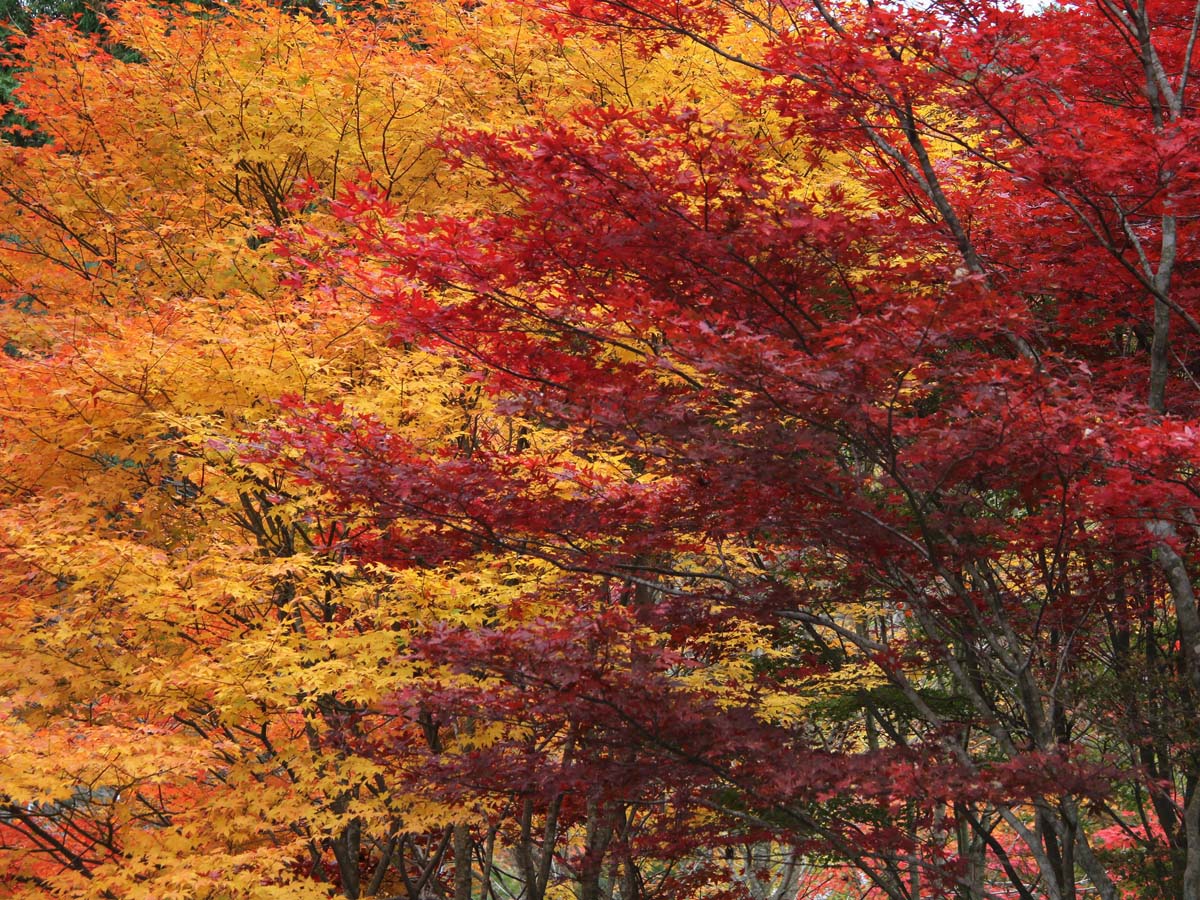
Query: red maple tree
[937,423]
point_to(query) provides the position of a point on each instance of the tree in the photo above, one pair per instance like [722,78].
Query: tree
[932,445]
[196,679]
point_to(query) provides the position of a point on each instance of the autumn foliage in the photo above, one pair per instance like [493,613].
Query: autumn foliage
[689,449]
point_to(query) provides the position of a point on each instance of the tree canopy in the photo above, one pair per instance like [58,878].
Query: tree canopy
[614,449]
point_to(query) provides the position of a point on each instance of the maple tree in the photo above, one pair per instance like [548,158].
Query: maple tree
[769,472]
[194,674]
[143,330]
[925,447]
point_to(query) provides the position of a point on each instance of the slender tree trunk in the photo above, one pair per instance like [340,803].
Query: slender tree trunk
[598,835]
[462,862]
